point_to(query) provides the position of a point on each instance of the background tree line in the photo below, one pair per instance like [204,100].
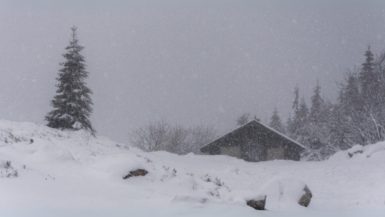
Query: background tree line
[357,117]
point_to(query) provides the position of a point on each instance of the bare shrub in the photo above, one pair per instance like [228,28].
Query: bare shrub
[161,136]
[153,137]
[8,164]
[199,136]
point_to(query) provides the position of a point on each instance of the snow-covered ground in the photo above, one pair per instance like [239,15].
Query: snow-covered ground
[74,174]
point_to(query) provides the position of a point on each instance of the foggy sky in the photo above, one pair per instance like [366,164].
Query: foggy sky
[187,62]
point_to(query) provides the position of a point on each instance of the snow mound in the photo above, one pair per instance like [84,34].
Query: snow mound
[190,201]
[283,193]
[60,170]
[361,152]
[120,165]
[49,153]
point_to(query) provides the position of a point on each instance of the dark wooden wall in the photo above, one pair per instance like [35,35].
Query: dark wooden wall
[254,142]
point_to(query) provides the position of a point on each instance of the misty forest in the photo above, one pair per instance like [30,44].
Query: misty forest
[195,108]
[323,127]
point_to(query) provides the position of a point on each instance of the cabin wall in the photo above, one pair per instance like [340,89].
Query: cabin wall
[252,147]
[275,154]
[256,147]
[214,150]
[256,144]
[276,148]
[233,151]
[292,153]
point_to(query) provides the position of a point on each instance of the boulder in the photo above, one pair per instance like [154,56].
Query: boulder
[283,193]
[257,204]
[138,172]
[305,199]
[354,153]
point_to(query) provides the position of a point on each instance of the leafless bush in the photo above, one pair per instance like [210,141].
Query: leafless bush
[199,136]
[152,137]
[161,136]
[177,137]
[8,164]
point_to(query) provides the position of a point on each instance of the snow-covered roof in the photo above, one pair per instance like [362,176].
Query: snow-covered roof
[258,123]
[283,135]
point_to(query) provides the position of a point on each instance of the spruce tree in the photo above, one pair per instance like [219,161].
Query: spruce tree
[300,122]
[72,104]
[319,125]
[350,96]
[289,124]
[302,113]
[296,97]
[276,123]
[368,77]
[243,119]
[294,124]
[317,102]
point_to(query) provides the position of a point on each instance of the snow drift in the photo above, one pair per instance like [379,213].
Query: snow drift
[67,170]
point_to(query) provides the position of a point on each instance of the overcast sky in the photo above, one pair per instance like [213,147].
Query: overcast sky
[188,62]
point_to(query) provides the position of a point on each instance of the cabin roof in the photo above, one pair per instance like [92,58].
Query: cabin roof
[256,123]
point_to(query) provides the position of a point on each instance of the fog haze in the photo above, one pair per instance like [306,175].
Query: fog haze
[187,62]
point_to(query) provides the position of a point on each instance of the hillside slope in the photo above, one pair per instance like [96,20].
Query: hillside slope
[80,175]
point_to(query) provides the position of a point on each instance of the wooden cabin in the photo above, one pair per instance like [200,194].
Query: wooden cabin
[255,142]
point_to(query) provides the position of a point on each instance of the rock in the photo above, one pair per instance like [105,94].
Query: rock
[354,153]
[283,193]
[138,172]
[305,199]
[257,204]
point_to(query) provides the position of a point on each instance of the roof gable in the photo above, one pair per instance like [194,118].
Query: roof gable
[250,124]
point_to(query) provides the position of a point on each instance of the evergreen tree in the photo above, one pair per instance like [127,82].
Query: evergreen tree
[72,104]
[292,124]
[319,125]
[296,97]
[361,103]
[372,98]
[368,77]
[337,128]
[243,119]
[350,96]
[317,102]
[297,125]
[275,122]
[289,124]
[316,120]
[301,122]
[302,113]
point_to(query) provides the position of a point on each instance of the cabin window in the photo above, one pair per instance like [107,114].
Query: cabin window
[275,154]
[234,151]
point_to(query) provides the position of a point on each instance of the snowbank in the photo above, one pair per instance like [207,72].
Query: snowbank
[361,152]
[283,193]
[66,170]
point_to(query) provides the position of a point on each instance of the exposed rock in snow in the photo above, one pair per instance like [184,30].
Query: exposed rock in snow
[360,152]
[306,198]
[285,192]
[357,149]
[138,172]
[258,204]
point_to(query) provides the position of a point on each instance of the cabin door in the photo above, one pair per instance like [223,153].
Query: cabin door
[249,151]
